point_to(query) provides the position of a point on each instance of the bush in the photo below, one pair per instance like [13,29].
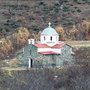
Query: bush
[79,10]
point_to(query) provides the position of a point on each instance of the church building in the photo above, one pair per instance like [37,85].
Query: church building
[48,52]
[49,42]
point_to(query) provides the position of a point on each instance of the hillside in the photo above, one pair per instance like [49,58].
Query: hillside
[67,78]
[35,14]
[23,19]
[75,77]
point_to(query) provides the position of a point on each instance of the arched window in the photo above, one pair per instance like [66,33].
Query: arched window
[51,38]
[44,37]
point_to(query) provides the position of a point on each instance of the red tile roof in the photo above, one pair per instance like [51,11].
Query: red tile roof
[39,45]
[59,45]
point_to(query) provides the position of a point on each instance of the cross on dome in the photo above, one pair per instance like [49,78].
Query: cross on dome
[49,24]
[49,35]
[49,30]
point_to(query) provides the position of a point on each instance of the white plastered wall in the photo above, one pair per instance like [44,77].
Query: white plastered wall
[47,39]
[57,50]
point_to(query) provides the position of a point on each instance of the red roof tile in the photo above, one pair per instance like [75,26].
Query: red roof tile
[59,45]
[41,45]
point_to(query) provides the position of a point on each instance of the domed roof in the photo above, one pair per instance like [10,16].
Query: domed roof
[49,31]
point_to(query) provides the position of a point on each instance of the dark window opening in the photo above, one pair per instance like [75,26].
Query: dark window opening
[51,38]
[31,63]
[44,38]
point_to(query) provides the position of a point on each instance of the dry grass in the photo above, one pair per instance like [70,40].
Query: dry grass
[78,43]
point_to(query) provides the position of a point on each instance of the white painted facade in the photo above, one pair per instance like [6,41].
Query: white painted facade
[49,39]
[56,50]
[31,41]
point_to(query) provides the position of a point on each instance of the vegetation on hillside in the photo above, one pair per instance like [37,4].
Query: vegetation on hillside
[75,77]
[12,43]
[67,78]
[82,56]
[23,19]
[34,15]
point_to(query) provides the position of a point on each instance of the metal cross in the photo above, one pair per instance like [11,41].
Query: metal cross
[49,24]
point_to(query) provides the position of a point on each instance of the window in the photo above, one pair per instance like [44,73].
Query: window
[51,38]
[44,37]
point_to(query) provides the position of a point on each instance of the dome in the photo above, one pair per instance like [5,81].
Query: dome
[49,31]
